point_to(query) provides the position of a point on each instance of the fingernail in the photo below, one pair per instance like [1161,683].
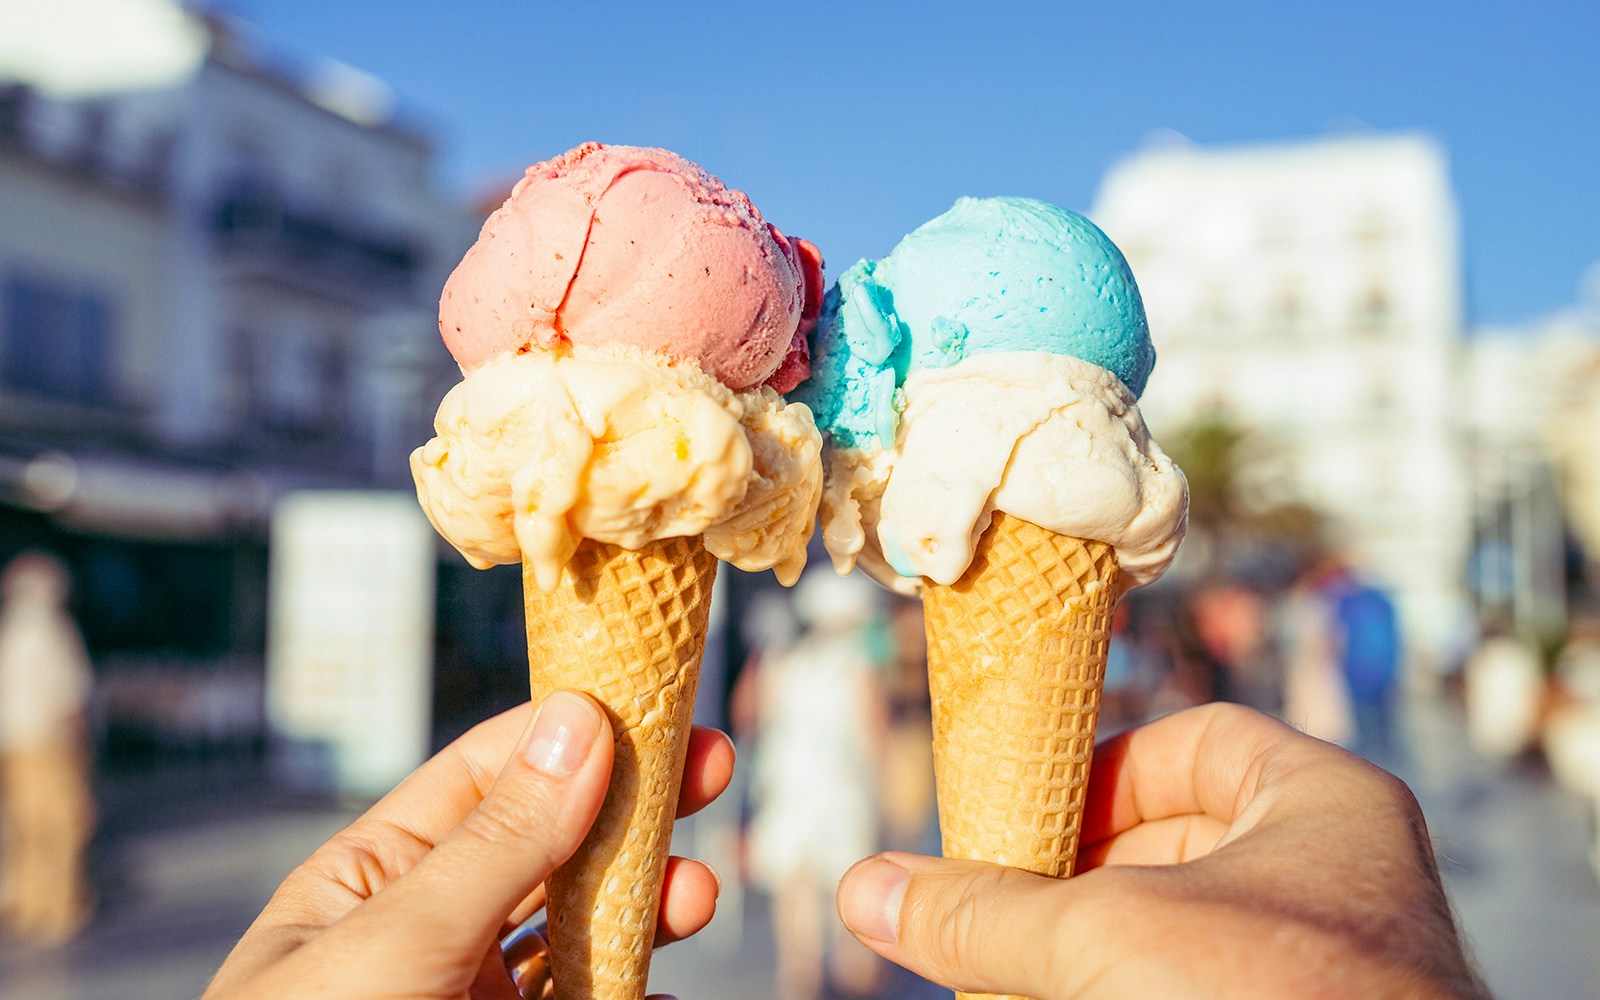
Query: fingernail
[716,878]
[563,734]
[870,899]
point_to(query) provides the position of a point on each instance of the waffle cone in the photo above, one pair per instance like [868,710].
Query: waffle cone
[1016,658]
[627,627]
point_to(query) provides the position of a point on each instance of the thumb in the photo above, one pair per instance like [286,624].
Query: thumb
[968,925]
[454,902]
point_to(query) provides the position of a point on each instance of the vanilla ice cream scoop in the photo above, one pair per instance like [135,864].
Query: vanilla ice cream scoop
[535,452]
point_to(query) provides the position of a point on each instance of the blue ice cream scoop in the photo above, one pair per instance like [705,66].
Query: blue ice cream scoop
[990,275]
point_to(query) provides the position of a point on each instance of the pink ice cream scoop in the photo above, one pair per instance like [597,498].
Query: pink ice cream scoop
[628,246]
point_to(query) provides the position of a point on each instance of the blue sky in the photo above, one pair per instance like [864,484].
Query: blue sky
[851,124]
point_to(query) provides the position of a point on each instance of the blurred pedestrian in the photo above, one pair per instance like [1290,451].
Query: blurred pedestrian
[821,731]
[907,797]
[1571,730]
[1139,664]
[1504,688]
[1181,670]
[1316,698]
[1122,698]
[46,810]
[1367,636]
[1231,621]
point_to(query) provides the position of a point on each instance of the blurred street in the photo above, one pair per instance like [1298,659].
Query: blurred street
[183,875]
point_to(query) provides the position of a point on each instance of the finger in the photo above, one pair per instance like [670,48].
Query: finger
[546,798]
[688,899]
[707,770]
[531,904]
[492,981]
[1207,760]
[438,795]
[689,892]
[390,838]
[967,925]
[1169,841]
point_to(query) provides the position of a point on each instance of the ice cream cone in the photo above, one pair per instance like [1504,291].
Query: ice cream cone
[627,627]
[1016,658]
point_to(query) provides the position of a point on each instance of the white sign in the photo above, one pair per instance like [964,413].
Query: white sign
[350,640]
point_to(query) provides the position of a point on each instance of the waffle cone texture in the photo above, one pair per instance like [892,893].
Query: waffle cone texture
[628,628]
[1016,660]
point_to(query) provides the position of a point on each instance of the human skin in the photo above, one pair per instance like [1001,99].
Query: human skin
[1224,855]
[412,899]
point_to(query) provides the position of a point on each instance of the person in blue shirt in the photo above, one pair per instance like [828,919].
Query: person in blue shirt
[1367,641]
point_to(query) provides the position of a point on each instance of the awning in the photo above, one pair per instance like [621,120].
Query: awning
[127,497]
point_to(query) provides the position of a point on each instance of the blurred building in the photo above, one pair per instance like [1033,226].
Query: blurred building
[1309,294]
[1534,435]
[214,290]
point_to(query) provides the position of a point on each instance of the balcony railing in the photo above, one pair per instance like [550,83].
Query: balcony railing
[252,225]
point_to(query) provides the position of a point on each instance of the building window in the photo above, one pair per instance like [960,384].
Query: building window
[298,383]
[57,340]
[1288,308]
[1381,395]
[248,159]
[244,380]
[1373,310]
[1371,229]
[347,185]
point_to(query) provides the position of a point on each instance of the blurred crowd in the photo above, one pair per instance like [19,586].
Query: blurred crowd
[828,700]
[832,707]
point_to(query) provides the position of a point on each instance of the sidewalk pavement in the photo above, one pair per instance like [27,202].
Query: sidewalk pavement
[180,884]
[1514,851]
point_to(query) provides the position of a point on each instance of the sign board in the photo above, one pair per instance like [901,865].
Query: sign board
[350,640]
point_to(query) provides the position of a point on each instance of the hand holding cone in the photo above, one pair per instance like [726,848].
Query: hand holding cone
[1016,659]
[978,387]
[628,627]
[625,326]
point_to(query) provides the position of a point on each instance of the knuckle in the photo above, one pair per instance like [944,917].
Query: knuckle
[507,816]
[1112,908]
[1228,711]
[366,857]
[962,937]
[1235,720]
[1380,786]
[1398,792]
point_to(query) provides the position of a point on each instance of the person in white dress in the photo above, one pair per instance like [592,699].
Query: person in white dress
[46,810]
[821,725]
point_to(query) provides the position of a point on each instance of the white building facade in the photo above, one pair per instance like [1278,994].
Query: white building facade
[234,273]
[1310,295]
[1533,433]
[215,291]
